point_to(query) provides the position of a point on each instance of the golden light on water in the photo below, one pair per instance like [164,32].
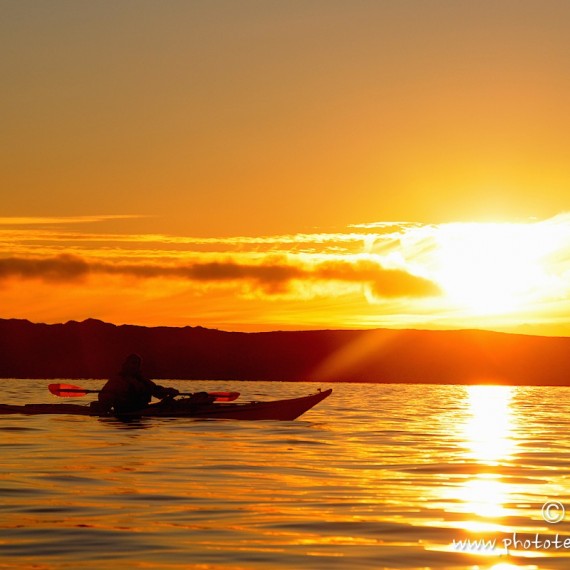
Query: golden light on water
[488,436]
[488,441]
[492,498]
[489,427]
[485,496]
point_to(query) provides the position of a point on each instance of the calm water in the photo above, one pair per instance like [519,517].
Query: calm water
[377,476]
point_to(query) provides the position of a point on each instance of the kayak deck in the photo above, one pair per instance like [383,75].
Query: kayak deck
[284,410]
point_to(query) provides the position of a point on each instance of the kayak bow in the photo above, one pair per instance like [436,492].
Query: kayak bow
[284,410]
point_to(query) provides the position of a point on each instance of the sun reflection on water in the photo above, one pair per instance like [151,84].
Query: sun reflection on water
[488,433]
[489,429]
[485,496]
[491,501]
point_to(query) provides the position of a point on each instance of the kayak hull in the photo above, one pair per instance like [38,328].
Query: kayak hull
[284,410]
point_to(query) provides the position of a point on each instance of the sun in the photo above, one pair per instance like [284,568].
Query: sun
[491,269]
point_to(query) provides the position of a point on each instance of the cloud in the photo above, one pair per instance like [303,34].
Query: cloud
[59,220]
[286,241]
[275,274]
[384,282]
[59,268]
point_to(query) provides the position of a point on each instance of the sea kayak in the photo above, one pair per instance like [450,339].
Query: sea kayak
[183,408]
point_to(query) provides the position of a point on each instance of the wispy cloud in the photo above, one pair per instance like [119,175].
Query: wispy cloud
[61,220]
[335,242]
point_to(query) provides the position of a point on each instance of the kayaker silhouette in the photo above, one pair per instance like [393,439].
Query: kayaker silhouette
[129,390]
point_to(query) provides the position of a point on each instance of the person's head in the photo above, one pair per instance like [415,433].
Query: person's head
[132,364]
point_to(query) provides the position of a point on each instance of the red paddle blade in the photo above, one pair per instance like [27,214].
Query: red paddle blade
[225,396]
[66,390]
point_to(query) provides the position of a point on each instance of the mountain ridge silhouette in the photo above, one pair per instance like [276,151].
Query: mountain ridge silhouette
[95,349]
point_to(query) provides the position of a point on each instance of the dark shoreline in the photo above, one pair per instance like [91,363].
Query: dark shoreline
[94,349]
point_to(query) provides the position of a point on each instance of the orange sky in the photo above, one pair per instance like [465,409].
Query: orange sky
[232,152]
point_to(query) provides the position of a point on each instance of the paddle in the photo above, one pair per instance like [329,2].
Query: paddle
[71,391]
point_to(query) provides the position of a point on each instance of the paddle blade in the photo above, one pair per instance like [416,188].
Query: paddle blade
[66,390]
[225,396]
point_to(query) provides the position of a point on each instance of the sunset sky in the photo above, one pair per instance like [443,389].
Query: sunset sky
[259,165]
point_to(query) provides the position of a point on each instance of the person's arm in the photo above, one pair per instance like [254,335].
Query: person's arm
[162,392]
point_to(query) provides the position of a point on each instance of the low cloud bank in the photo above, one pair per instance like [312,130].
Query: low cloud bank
[274,275]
